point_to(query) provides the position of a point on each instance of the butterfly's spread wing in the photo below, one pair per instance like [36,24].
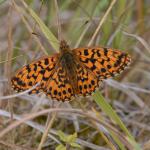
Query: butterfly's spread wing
[103,62]
[86,80]
[36,72]
[59,87]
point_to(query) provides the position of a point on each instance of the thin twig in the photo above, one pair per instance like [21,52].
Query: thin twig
[14,146]
[47,129]
[28,26]
[10,59]
[7,71]
[53,132]
[87,115]
[58,21]
[143,42]
[82,35]
[101,22]
[19,94]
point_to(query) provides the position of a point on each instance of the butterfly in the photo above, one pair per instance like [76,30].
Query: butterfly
[71,72]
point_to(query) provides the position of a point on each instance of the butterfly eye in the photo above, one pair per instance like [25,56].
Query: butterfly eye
[82,79]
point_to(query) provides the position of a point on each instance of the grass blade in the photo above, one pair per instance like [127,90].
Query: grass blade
[48,34]
[99,99]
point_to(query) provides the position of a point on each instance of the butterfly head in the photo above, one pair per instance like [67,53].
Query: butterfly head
[64,46]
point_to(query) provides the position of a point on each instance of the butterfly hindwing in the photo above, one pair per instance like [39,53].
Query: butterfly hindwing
[86,80]
[59,87]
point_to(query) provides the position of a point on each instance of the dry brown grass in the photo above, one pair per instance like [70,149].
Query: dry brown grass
[24,118]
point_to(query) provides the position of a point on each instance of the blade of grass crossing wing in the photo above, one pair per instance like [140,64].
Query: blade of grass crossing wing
[112,114]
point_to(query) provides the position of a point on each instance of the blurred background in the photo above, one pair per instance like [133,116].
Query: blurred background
[22,40]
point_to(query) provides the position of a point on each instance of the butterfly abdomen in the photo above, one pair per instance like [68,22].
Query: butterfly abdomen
[68,63]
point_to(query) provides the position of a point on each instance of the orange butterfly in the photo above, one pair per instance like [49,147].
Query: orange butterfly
[71,72]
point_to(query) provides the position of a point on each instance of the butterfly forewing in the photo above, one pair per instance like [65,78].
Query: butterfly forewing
[36,72]
[103,62]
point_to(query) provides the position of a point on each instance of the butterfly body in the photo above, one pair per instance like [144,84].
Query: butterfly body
[71,72]
[68,62]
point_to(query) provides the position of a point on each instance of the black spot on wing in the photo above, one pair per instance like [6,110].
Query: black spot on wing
[86,53]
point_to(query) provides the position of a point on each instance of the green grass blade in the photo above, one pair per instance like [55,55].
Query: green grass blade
[2,1]
[46,31]
[119,143]
[112,114]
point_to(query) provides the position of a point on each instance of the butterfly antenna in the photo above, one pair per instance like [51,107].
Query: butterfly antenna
[58,21]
